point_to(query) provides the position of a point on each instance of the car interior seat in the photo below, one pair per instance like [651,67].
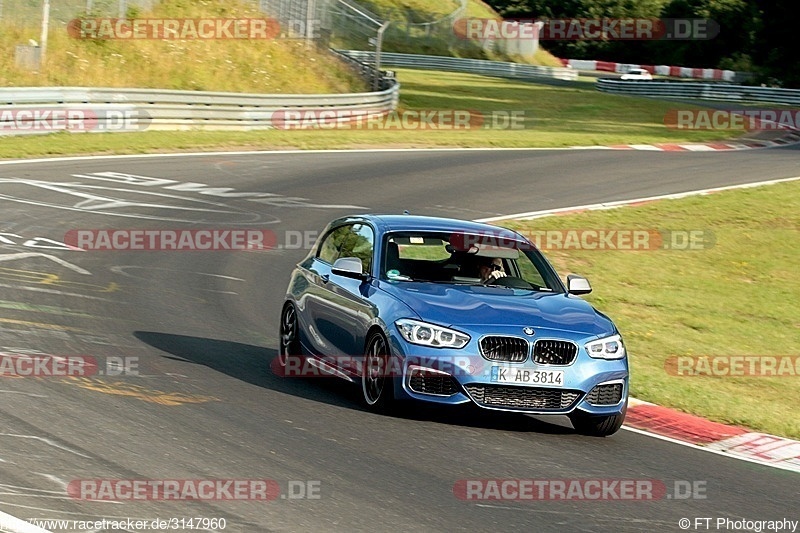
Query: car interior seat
[393,257]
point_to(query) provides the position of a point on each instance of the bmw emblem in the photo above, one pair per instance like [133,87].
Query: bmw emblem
[528,331]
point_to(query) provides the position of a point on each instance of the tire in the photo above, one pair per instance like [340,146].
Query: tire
[288,337]
[597,426]
[377,385]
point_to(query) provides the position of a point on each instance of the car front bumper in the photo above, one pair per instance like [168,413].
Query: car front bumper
[448,376]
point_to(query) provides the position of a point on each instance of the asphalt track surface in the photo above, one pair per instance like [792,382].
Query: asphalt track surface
[202,327]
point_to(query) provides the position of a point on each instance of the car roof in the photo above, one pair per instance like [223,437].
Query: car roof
[385,223]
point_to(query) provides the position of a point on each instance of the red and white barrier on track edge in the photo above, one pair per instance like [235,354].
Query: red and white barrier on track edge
[662,70]
[736,441]
[792,137]
[673,425]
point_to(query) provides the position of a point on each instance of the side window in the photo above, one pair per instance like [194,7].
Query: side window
[355,240]
[329,249]
[359,242]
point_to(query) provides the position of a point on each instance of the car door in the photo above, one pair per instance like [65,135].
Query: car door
[339,311]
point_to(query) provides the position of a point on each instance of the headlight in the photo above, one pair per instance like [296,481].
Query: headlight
[417,332]
[606,348]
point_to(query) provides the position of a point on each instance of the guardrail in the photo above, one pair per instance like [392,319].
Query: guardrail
[705,91]
[48,109]
[500,69]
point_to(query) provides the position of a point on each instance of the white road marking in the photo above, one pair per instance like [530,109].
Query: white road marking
[32,395]
[15,525]
[622,203]
[791,468]
[269,152]
[56,291]
[28,255]
[120,269]
[96,200]
[46,441]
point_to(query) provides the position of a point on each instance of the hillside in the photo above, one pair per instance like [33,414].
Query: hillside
[239,65]
[408,32]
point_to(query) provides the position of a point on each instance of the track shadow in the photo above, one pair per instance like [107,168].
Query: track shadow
[251,364]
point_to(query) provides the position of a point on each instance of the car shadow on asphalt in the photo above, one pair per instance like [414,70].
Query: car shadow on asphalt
[252,364]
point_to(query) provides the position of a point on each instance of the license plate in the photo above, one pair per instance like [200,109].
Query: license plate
[525,376]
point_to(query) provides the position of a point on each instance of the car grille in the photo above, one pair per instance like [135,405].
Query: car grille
[432,383]
[549,352]
[609,394]
[522,397]
[508,349]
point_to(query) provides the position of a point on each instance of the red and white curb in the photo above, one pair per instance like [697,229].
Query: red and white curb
[676,426]
[791,138]
[725,439]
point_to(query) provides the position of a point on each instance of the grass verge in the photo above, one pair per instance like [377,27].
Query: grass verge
[407,34]
[238,65]
[737,298]
[556,115]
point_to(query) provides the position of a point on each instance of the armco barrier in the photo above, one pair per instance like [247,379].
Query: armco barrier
[27,110]
[46,109]
[500,69]
[705,91]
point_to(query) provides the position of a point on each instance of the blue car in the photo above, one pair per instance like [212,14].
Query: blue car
[450,312]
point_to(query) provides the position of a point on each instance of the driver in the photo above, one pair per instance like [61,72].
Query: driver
[491,269]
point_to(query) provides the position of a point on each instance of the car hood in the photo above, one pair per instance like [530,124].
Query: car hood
[476,305]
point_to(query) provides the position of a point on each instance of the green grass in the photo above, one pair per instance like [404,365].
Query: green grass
[441,39]
[257,66]
[428,10]
[739,297]
[425,10]
[556,116]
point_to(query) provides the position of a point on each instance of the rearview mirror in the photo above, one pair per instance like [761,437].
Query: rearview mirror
[349,267]
[578,284]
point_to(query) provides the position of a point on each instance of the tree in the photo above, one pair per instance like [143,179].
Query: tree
[775,49]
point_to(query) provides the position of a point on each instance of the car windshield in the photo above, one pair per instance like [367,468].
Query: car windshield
[457,258]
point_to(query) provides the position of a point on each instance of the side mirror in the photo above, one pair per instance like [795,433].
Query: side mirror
[349,267]
[578,284]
